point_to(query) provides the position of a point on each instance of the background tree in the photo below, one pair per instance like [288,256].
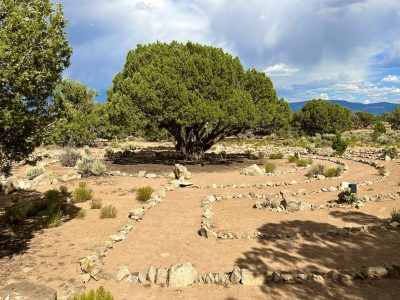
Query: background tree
[379,129]
[364,119]
[393,118]
[34,51]
[321,116]
[195,92]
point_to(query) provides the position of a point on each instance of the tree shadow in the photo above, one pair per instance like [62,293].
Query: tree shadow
[15,238]
[345,253]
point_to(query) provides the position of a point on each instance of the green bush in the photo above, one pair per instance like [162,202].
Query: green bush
[35,172]
[82,193]
[99,294]
[269,167]
[69,158]
[52,195]
[89,166]
[302,162]
[316,170]
[339,145]
[128,146]
[333,172]
[144,193]
[109,153]
[63,189]
[348,197]
[108,211]
[15,213]
[395,214]
[54,216]
[278,155]
[382,171]
[292,159]
[391,152]
[96,204]
[81,214]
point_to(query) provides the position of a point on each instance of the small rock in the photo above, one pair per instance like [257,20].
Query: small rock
[161,276]
[236,275]
[252,278]
[181,275]
[151,274]
[123,272]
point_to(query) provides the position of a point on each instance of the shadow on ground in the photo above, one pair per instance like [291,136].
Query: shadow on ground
[316,255]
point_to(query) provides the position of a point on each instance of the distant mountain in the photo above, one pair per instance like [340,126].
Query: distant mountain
[374,108]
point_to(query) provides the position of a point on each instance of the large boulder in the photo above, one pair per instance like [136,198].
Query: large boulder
[27,291]
[181,275]
[252,170]
[181,172]
[91,264]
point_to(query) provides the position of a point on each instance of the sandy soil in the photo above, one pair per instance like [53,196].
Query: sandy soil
[168,234]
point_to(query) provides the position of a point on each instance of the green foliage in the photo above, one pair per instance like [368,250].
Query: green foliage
[34,51]
[292,159]
[82,193]
[54,217]
[269,167]
[109,153]
[348,197]
[195,92]
[364,119]
[333,172]
[63,189]
[108,211]
[339,145]
[15,213]
[393,118]
[128,146]
[316,170]
[35,172]
[278,155]
[303,162]
[69,158]
[321,116]
[89,166]
[144,193]
[395,214]
[391,152]
[379,127]
[96,204]
[382,170]
[81,214]
[99,294]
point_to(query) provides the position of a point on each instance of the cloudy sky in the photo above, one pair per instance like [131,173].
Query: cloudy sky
[330,49]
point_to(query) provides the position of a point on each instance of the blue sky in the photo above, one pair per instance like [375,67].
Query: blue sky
[330,49]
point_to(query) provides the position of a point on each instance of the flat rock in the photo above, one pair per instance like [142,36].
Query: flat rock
[181,275]
[252,278]
[27,291]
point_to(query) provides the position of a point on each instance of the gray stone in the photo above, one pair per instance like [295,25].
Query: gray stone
[374,272]
[236,275]
[181,275]
[303,206]
[85,277]
[276,277]
[151,274]
[27,291]
[123,272]
[287,278]
[137,214]
[91,264]
[181,172]
[252,278]
[161,276]
[252,170]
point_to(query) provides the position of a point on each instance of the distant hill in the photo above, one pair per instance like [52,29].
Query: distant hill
[374,108]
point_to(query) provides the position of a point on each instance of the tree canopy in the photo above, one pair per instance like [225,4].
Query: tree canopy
[199,94]
[34,51]
[321,116]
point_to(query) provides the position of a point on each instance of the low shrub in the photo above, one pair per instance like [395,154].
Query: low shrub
[292,159]
[339,145]
[278,155]
[54,218]
[81,214]
[316,170]
[35,172]
[52,195]
[382,171]
[109,153]
[395,214]
[348,197]
[269,167]
[100,294]
[302,162]
[96,204]
[82,193]
[391,152]
[333,172]
[108,211]
[128,146]
[15,213]
[144,193]
[69,157]
[63,189]
[89,166]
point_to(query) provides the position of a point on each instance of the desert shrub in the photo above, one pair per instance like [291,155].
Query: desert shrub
[391,152]
[144,193]
[63,189]
[96,204]
[89,166]
[69,157]
[108,211]
[339,145]
[81,214]
[15,213]
[35,172]
[53,218]
[82,193]
[100,294]
[302,162]
[395,214]
[269,167]
[348,197]
[109,153]
[52,195]
[292,159]
[316,170]
[333,172]
[128,146]
[382,170]
[278,155]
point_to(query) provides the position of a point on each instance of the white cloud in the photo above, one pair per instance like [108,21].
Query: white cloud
[391,78]
[281,70]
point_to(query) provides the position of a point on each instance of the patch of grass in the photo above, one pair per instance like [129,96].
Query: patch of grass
[54,217]
[81,214]
[108,211]
[300,162]
[269,167]
[395,214]
[63,189]
[82,193]
[100,294]
[316,170]
[292,159]
[96,204]
[52,195]
[128,146]
[333,172]
[278,155]
[144,193]
[69,157]
[15,213]
[35,172]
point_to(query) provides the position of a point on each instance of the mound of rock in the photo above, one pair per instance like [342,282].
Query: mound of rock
[252,170]
[181,172]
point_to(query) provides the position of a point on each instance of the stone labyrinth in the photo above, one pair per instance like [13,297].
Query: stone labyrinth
[249,228]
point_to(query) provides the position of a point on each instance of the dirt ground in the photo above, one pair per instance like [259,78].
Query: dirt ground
[168,233]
